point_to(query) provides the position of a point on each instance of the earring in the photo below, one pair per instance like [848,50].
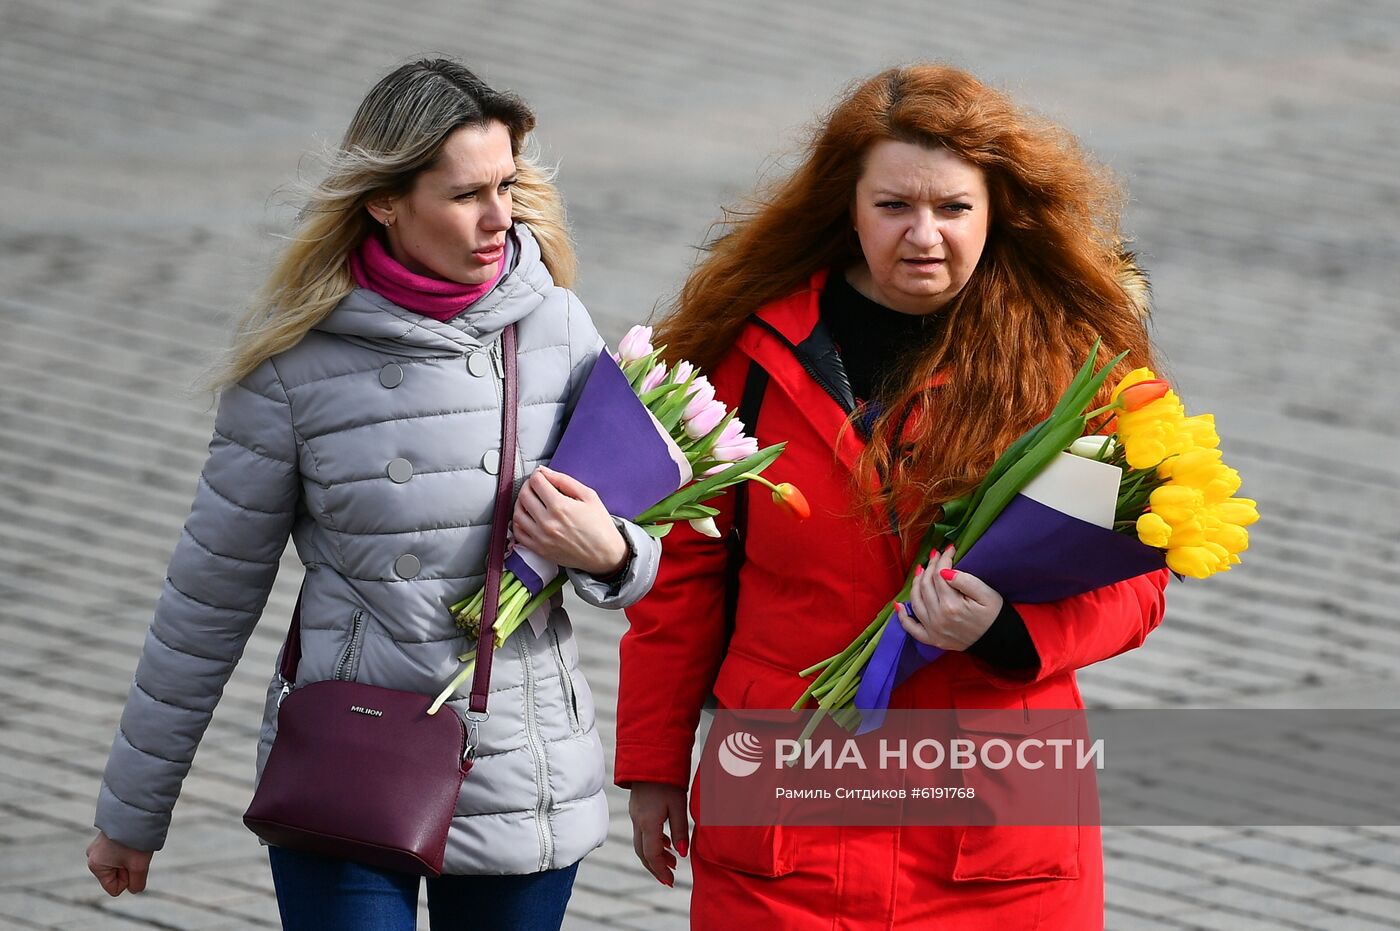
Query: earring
[388,222]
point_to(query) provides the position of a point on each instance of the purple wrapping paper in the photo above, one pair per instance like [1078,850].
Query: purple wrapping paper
[1030,554]
[613,445]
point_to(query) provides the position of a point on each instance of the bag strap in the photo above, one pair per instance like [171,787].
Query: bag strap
[500,517]
[755,384]
[495,561]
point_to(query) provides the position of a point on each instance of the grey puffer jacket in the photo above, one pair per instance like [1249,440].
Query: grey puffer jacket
[374,443]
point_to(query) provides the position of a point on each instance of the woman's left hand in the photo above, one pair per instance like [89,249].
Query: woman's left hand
[563,520]
[951,614]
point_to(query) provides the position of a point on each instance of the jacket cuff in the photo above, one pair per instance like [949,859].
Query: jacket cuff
[651,762]
[636,578]
[128,825]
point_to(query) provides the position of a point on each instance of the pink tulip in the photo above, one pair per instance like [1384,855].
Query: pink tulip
[733,452]
[732,432]
[636,344]
[705,420]
[716,469]
[701,394]
[654,378]
[682,371]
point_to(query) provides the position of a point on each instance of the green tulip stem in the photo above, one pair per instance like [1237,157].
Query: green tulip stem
[457,681]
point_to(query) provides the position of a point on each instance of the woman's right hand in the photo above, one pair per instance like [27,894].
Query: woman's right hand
[118,868]
[654,805]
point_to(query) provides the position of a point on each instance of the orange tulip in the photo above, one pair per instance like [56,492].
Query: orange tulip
[790,498]
[1135,397]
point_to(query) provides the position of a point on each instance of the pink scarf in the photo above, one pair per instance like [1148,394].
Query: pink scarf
[377,270]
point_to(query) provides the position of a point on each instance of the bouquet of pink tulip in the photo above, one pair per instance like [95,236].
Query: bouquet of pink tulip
[706,451]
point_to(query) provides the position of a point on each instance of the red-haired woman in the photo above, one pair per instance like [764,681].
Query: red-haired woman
[908,301]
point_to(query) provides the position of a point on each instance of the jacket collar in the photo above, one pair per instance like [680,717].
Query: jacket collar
[371,319]
[790,341]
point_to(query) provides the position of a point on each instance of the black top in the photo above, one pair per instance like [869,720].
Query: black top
[871,338]
[872,341]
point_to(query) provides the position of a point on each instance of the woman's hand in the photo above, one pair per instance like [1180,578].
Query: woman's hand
[562,519]
[654,805]
[953,613]
[118,868]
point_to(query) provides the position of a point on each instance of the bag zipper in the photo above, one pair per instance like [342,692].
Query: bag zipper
[567,681]
[345,669]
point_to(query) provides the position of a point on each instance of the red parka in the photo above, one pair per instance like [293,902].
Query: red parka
[806,589]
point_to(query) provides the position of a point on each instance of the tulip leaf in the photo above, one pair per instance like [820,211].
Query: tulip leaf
[656,530]
[1017,477]
[1080,379]
[660,391]
[705,444]
[703,489]
[692,512]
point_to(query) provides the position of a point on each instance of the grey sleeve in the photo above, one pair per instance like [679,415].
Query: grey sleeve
[215,588]
[636,579]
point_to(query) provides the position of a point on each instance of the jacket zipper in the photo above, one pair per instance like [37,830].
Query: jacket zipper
[806,365]
[567,681]
[345,669]
[536,745]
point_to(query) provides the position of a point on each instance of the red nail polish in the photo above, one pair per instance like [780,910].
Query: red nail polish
[918,571]
[947,574]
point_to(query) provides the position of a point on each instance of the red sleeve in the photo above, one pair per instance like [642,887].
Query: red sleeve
[1074,632]
[672,650]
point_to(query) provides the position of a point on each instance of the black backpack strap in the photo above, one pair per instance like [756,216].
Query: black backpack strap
[754,386]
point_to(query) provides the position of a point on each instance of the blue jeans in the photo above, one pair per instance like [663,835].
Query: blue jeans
[316,893]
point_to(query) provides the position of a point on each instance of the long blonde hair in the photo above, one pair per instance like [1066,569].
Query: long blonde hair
[396,134]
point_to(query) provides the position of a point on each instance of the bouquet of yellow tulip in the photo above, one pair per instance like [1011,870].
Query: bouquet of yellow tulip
[632,400]
[1175,505]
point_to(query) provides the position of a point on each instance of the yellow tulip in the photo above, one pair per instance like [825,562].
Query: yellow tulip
[1195,562]
[1188,533]
[1238,511]
[1176,504]
[1201,430]
[1154,531]
[1194,467]
[1223,483]
[1153,432]
[1233,538]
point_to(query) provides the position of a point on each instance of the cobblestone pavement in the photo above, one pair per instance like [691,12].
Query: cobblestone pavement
[142,146]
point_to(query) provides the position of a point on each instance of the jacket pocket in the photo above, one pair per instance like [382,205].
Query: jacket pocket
[761,850]
[1017,851]
[566,681]
[349,663]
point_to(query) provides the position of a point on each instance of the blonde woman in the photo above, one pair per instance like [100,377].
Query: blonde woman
[359,413]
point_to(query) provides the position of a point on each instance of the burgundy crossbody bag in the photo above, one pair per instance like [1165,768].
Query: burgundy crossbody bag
[364,773]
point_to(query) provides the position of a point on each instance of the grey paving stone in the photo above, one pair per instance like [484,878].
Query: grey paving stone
[39,911]
[1269,850]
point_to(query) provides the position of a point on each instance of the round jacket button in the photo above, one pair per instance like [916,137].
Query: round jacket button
[406,566]
[400,470]
[391,375]
[491,462]
[479,363]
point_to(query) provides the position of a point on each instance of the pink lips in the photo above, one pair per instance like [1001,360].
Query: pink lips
[487,256]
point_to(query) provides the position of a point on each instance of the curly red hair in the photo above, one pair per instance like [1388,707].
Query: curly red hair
[1051,279]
